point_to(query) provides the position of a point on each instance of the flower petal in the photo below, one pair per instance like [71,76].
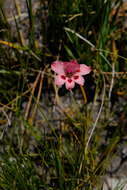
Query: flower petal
[69,84]
[57,66]
[71,66]
[59,80]
[79,79]
[74,61]
[84,69]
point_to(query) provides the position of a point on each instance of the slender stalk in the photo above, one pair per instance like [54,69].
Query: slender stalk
[97,118]
[84,94]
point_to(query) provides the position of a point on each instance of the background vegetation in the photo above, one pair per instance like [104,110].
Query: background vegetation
[51,138]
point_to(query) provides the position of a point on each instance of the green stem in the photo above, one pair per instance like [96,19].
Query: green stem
[84,94]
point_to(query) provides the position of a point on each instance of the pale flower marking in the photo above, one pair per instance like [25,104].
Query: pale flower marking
[69,73]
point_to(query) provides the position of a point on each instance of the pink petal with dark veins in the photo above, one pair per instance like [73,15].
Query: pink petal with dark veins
[57,66]
[69,84]
[84,69]
[79,79]
[59,80]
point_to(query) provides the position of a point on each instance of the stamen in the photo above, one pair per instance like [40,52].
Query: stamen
[63,77]
[71,67]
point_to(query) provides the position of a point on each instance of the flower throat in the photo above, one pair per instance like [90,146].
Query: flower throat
[71,68]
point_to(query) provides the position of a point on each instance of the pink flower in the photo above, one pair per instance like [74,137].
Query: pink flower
[69,73]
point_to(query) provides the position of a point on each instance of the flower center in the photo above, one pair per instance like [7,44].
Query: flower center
[71,68]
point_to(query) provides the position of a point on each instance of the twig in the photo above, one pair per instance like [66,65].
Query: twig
[116,73]
[9,123]
[18,9]
[14,100]
[73,17]
[112,83]
[31,96]
[111,53]
[114,59]
[5,114]
[38,96]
